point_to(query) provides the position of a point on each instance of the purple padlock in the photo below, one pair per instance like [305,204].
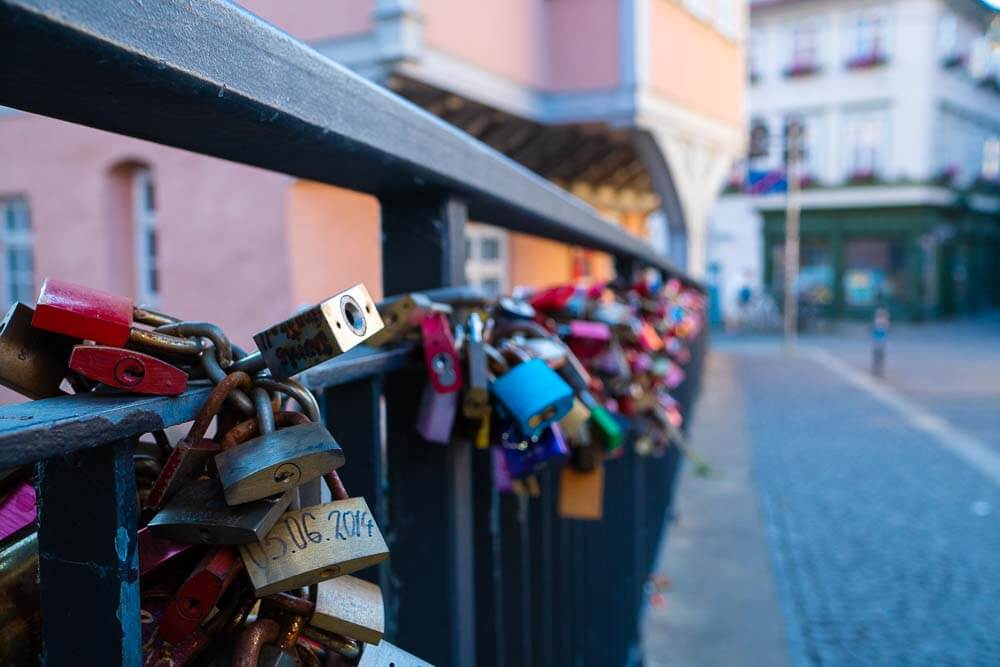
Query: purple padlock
[17,509]
[526,457]
[436,414]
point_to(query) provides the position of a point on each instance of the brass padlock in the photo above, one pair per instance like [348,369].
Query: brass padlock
[275,461]
[401,317]
[198,514]
[315,544]
[33,362]
[581,493]
[319,332]
[350,607]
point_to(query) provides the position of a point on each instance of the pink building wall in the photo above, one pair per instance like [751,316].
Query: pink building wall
[223,250]
[315,20]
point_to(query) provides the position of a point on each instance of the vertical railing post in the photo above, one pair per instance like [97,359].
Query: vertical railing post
[423,247]
[88,567]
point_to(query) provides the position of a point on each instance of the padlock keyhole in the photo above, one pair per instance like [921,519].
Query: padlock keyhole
[130,371]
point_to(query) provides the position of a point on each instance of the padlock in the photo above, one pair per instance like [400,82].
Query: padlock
[82,312]
[273,462]
[476,401]
[402,317]
[20,612]
[17,509]
[189,456]
[319,332]
[533,396]
[255,647]
[350,607]
[587,339]
[564,299]
[199,514]
[32,362]
[387,655]
[440,354]
[647,337]
[156,551]
[604,423]
[549,350]
[514,309]
[613,313]
[677,350]
[315,544]
[581,493]
[127,369]
[526,457]
[199,594]
[436,414]
[576,427]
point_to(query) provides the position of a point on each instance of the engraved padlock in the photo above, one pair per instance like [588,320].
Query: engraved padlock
[314,544]
[32,362]
[274,460]
[350,607]
[199,514]
[532,395]
[128,370]
[388,655]
[319,332]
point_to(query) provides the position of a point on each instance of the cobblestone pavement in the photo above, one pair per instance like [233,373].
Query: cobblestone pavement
[884,538]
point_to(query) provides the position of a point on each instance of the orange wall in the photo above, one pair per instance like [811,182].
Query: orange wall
[334,240]
[693,65]
[311,20]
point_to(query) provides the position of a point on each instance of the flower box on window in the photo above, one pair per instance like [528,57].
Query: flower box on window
[863,177]
[799,70]
[867,60]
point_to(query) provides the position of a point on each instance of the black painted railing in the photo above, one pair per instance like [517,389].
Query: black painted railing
[475,577]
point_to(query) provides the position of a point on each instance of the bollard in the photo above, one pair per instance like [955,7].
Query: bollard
[880,330]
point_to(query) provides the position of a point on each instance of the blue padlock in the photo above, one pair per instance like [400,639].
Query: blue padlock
[527,457]
[532,395]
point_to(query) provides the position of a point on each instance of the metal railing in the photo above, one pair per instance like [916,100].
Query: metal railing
[475,577]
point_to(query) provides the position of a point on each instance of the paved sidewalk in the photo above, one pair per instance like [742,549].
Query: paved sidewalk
[722,608]
[872,507]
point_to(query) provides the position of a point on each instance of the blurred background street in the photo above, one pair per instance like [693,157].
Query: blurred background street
[847,519]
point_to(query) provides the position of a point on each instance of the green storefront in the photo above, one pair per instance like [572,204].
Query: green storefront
[921,262]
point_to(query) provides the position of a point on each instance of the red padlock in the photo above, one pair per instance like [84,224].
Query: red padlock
[200,593]
[82,312]
[128,370]
[440,355]
[554,299]
[587,339]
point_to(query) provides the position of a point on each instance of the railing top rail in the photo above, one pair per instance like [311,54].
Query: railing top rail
[51,427]
[211,78]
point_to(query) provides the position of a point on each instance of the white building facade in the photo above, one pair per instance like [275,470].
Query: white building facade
[899,101]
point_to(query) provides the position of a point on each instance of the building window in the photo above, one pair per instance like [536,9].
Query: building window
[486,258]
[867,48]
[804,56]
[147,269]
[990,169]
[865,146]
[18,252]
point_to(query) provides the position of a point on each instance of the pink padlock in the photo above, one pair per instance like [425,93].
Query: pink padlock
[17,510]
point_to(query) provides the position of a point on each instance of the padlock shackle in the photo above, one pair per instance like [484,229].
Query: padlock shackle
[335,485]
[163,343]
[213,332]
[342,646]
[252,363]
[152,318]
[213,404]
[264,409]
[250,428]
[214,371]
[252,640]
[293,389]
